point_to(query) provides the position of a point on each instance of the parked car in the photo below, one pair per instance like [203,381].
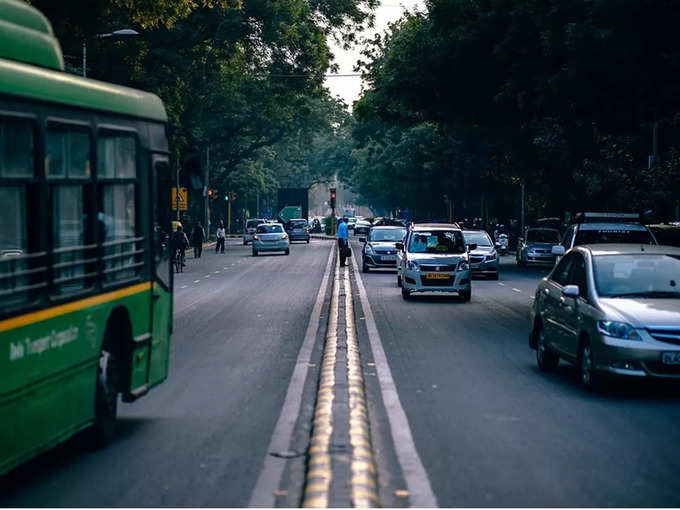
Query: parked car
[298,230]
[597,228]
[380,248]
[435,259]
[484,259]
[362,228]
[536,246]
[351,223]
[251,228]
[270,237]
[611,309]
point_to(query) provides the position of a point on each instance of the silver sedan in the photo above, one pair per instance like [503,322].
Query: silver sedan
[610,309]
[270,237]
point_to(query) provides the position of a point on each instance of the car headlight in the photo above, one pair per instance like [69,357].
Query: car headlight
[284,236]
[618,330]
[463,265]
[369,249]
[413,265]
[491,256]
[255,237]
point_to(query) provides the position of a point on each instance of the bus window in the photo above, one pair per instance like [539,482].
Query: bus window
[17,163]
[67,166]
[117,173]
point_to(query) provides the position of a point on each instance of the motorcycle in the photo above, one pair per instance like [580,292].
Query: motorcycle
[502,244]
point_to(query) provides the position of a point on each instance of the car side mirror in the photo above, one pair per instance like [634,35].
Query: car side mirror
[497,245]
[571,291]
[400,246]
[362,239]
[557,250]
[472,246]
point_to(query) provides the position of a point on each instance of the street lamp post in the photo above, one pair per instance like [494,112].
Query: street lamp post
[122,32]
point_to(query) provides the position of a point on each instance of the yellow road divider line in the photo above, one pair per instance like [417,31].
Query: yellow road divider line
[363,472]
[319,473]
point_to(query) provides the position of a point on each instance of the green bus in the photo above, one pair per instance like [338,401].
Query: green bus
[85,273]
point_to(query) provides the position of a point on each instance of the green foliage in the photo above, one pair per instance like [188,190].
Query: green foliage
[542,92]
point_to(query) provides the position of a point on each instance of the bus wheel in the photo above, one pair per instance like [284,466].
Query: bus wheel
[106,399]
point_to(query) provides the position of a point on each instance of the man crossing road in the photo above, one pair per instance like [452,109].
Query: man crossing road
[343,240]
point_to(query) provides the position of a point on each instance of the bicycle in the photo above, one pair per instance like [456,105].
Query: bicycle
[179,260]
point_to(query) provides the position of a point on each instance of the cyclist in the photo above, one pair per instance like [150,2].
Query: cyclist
[180,243]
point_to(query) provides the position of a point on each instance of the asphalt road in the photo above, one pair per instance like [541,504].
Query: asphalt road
[488,427]
[492,430]
[199,438]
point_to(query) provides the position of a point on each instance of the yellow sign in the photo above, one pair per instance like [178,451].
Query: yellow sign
[179,201]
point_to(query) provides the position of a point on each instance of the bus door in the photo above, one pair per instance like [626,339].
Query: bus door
[161,306]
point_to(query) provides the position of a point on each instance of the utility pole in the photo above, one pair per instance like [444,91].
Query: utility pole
[231,199]
[206,184]
[522,213]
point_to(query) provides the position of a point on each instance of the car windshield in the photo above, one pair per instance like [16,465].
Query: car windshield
[638,275]
[478,238]
[298,224]
[614,235]
[543,236]
[269,229]
[387,235]
[442,241]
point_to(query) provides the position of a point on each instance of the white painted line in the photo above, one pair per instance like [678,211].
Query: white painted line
[196,281]
[207,276]
[516,290]
[417,482]
[183,286]
[270,477]
[217,272]
[501,284]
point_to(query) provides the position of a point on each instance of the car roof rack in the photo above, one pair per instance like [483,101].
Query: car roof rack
[607,217]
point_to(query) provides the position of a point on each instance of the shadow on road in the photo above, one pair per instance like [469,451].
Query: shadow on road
[77,447]
[615,389]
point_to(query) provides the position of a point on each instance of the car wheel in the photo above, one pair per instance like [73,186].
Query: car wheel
[254,253]
[398,280]
[587,374]
[465,295]
[546,359]
[406,294]
[287,252]
[245,243]
[495,276]
[364,268]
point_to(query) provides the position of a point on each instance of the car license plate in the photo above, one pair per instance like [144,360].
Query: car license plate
[670,358]
[388,258]
[437,276]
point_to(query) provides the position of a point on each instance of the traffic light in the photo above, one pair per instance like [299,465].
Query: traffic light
[210,193]
[333,194]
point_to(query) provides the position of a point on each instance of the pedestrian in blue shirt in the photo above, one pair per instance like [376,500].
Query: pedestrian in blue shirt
[343,241]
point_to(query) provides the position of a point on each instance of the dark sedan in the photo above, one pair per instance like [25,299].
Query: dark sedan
[380,251]
[362,228]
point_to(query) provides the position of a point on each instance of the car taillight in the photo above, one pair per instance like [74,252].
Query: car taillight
[255,237]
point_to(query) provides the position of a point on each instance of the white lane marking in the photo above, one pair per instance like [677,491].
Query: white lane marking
[417,481]
[207,276]
[501,284]
[196,281]
[516,290]
[217,272]
[269,478]
[224,268]
[183,286]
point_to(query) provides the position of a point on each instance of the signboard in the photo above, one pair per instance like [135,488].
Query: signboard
[179,200]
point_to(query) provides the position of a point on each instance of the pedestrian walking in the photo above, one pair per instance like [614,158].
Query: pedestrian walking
[221,238]
[197,239]
[343,241]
